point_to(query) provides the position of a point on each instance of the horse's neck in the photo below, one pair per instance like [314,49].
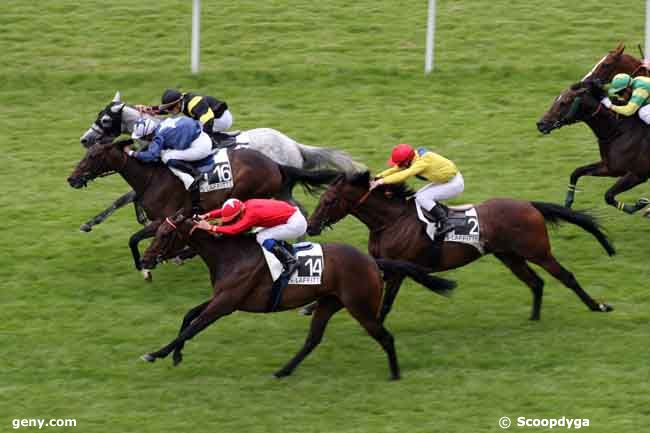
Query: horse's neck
[140,176]
[605,126]
[206,247]
[226,254]
[378,212]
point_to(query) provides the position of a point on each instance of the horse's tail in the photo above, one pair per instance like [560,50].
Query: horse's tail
[419,274]
[311,180]
[322,157]
[553,213]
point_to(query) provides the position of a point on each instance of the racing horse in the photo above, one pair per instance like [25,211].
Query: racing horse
[624,142]
[161,193]
[513,230]
[241,281]
[615,62]
[118,118]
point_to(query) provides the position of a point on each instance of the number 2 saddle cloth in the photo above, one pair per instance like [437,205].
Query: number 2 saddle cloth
[467,227]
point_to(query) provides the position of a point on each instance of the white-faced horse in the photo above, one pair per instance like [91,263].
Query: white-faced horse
[119,118]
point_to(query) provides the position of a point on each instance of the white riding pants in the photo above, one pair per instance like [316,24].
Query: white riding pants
[199,149]
[644,114]
[295,227]
[222,123]
[427,196]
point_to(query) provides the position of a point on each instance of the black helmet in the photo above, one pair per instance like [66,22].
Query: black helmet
[171,96]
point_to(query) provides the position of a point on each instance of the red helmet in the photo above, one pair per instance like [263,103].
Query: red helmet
[401,153]
[230,209]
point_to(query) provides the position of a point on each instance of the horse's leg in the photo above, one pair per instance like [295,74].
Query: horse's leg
[367,318]
[191,315]
[147,232]
[221,305]
[568,279]
[393,284]
[520,268]
[326,307]
[595,169]
[629,181]
[122,201]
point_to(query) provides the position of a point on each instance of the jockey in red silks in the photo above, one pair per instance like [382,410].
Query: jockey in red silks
[279,220]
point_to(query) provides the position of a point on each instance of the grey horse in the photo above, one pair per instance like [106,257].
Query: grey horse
[119,118]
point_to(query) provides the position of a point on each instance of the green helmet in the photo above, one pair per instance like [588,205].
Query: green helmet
[619,82]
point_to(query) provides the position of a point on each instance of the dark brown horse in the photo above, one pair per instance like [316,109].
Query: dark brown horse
[624,142]
[241,281]
[161,193]
[514,231]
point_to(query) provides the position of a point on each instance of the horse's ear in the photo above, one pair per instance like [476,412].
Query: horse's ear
[619,49]
[117,97]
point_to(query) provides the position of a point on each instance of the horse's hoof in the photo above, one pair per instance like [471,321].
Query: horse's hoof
[177,359]
[395,377]
[605,308]
[147,275]
[148,357]
[281,373]
[86,228]
[534,318]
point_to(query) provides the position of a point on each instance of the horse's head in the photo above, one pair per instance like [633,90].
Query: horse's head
[100,160]
[614,62]
[342,196]
[172,234]
[108,124]
[578,102]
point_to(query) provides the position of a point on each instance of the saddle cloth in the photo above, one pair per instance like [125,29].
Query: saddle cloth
[310,259]
[467,228]
[216,170]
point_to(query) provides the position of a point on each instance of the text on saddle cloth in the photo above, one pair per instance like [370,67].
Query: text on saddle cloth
[467,228]
[310,260]
[221,176]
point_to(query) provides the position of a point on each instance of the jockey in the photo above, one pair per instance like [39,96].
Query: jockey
[639,100]
[445,181]
[280,221]
[175,141]
[213,114]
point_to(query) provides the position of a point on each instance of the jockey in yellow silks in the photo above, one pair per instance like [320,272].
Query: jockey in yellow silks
[445,180]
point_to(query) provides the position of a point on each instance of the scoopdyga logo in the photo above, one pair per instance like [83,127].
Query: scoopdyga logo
[547,423]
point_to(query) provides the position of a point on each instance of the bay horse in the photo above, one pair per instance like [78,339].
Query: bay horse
[624,142]
[615,62]
[161,193]
[241,281]
[513,230]
[119,118]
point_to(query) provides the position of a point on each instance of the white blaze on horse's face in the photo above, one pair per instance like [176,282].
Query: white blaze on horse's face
[593,69]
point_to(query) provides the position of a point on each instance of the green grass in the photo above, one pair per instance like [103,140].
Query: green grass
[76,316]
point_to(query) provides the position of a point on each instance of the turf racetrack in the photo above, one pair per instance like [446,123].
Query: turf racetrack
[76,316]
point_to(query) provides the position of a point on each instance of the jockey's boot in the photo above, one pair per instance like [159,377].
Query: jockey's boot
[289,262]
[195,193]
[444,227]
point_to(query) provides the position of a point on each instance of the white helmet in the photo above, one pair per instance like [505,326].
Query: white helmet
[143,127]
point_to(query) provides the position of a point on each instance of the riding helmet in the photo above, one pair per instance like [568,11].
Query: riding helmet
[171,96]
[401,153]
[619,82]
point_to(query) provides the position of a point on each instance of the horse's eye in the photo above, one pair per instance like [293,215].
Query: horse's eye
[106,122]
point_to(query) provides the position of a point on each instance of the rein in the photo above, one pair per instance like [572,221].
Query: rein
[171,223]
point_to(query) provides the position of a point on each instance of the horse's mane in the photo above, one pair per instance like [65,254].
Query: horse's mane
[397,191]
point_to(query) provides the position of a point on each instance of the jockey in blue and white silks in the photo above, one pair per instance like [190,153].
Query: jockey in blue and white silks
[175,141]
[176,138]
